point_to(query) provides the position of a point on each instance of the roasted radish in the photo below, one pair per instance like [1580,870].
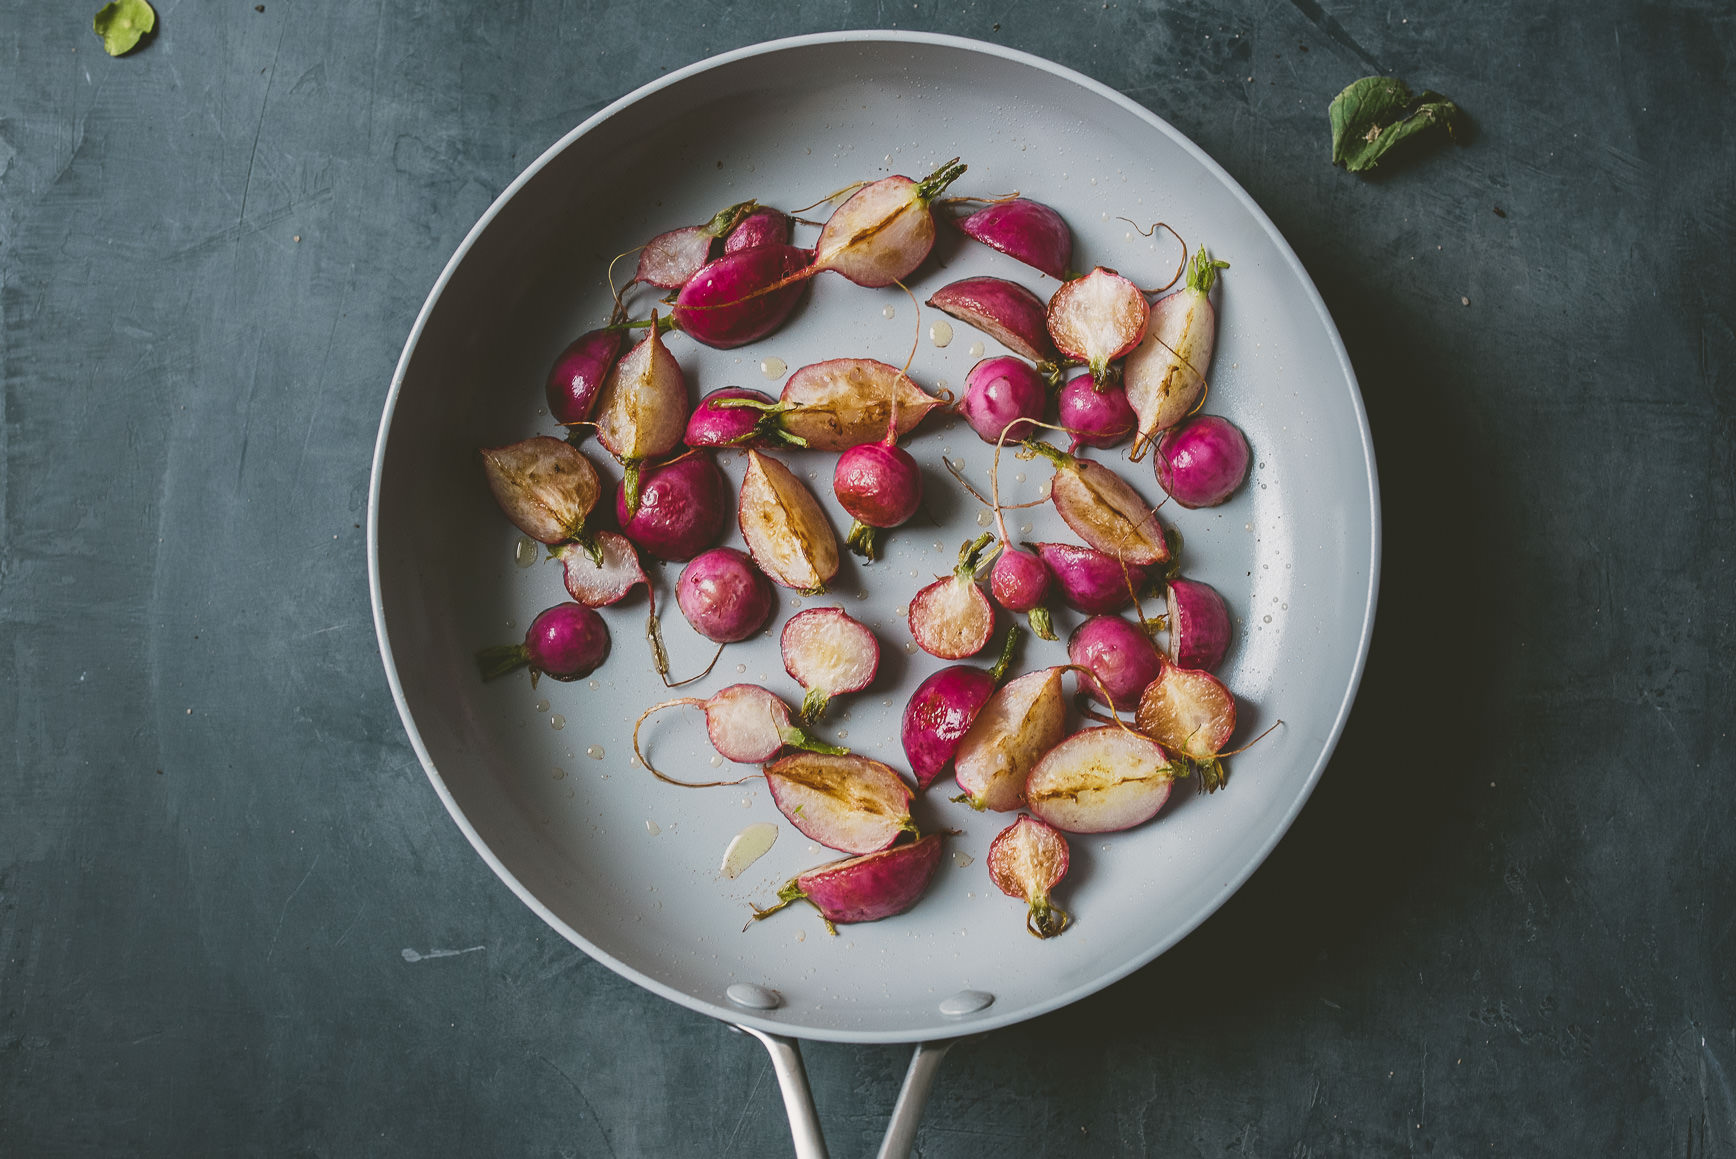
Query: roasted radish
[885,229]
[744,723]
[1121,657]
[951,618]
[828,653]
[1100,780]
[998,393]
[1005,311]
[683,507]
[742,296]
[737,416]
[1166,376]
[564,642]
[1020,581]
[848,803]
[724,596]
[764,226]
[1201,461]
[1191,713]
[1097,319]
[1026,230]
[844,402]
[602,569]
[579,373]
[1089,580]
[1106,512]
[864,889]
[1096,416]
[545,486]
[785,527]
[1015,728]
[941,710]
[670,259]
[1199,625]
[642,410]
[1028,860]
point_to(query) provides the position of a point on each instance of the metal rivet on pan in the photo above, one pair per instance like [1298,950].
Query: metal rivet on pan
[751,997]
[966,1002]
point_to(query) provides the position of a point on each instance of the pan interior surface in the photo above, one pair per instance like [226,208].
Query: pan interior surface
[543,781]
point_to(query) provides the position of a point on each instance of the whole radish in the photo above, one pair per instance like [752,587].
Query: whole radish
[1107,513]
[1097,319]
[578,375]
[1028,860]
[828,652]
[1199,625]
[724,596]
[742,296]
[544,485]
[879,484]
[844,402]
[951,618]
[1020,581]
[1089,580]
[1121,657]
[864,889]
[1096,416]
[764,226]
[683,507]
[1005,311]
[1201,461]
[564,642]
[1026,230]
[942,708]
[744,723]
[848,803]
[1166,376]
[670,259]
[998,392]
[642,411]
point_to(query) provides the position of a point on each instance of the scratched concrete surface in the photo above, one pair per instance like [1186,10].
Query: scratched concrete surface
[234,918]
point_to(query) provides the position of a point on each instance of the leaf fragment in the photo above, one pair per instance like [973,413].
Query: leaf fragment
[1378,112]
[122,24]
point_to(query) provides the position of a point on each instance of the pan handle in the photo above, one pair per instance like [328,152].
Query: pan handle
[799,1101]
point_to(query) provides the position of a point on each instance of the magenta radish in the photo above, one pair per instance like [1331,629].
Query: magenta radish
[1199,625]
[578,375]
[1121,657]
[736,416]
[670,259]
[564,642]
[1100,780]
[785,527]
[848,803]
[1166,376]
[1191,713]
[998,392]
[951,618]
[942,708]
[885,229]
[1026,230]
[880,485]
[829,653]
[1096,416]
[1201,461]
[744,723]
[1107,513]
[724,596]
[1005,311]
[867,888]
[764,226]
[742,296]
[601,571]
[683,507]
[544,485]
[642,411]
[845,402]
[1027,861]
[1097,319]
[1015,728]
[1020,581]
[1089,580]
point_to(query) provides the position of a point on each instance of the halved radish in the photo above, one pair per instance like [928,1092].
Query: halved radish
[745,723]
[1028,860]
[951,618]
[845,402]
[1101,506]
[1199,625]
[864,889]
[1089,580]
[942,708]
[885,229]
[669,259]
[1015,728]
[642,410]
[1192,713]
[1100,780]
[828,653]
[1166,375]
[602,570]
[1026,230]
[545,486]
[1098,318]
[848,803]
[1005,311]
[785,527]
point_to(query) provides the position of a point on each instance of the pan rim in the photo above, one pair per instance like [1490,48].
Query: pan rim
[991,1019]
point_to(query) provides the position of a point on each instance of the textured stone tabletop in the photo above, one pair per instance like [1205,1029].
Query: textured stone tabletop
[235,919]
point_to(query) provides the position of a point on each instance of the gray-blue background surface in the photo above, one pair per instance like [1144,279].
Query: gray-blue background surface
[1503,926]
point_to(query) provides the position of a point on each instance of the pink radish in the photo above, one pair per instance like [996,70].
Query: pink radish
[1089,580]
[1100,780]
[848,803]
[724,596]
[670,259]
[828,653]
[1097,319]
[1119,654]
[601,571]
[683,507]
[564,642]
[1020,581]
[867,888]
[880,485]
[742,296]
[1026,230]
[1201,461]
[578,374]
[998,392]
[737,416]
[1199,625]
[785,527]
[642,410]
[951,618]
[764,226]
[845,402]
[941,710]
[1027,861]
[1015,728]
[1005,311]
[1166,376]
[544,485]
[1191,713]
[1106,512]
[1096,416]
[744,723]
[885,230]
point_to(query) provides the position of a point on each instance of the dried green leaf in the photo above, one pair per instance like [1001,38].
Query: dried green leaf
[122,24]
[1377,112]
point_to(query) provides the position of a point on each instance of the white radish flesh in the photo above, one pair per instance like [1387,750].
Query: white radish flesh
[1100,780]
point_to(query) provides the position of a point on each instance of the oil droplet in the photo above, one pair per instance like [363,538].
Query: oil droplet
[542,706]
[910,647]
[651,828]
[1266,619]
[904,612]
[976,349]
[984,518]
[942,384]
[843,734]
[890,312]
[560,774]
[595,752]
[741,667]
[801,935]
[1024,529]
[557,722]
[1019,478]
[1043,491]
[961,859]
[940,334]
[593,686]
[747,847]
[525,553]
[716,761]
[773,367]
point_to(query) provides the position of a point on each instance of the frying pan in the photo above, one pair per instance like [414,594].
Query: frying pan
[542,780]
